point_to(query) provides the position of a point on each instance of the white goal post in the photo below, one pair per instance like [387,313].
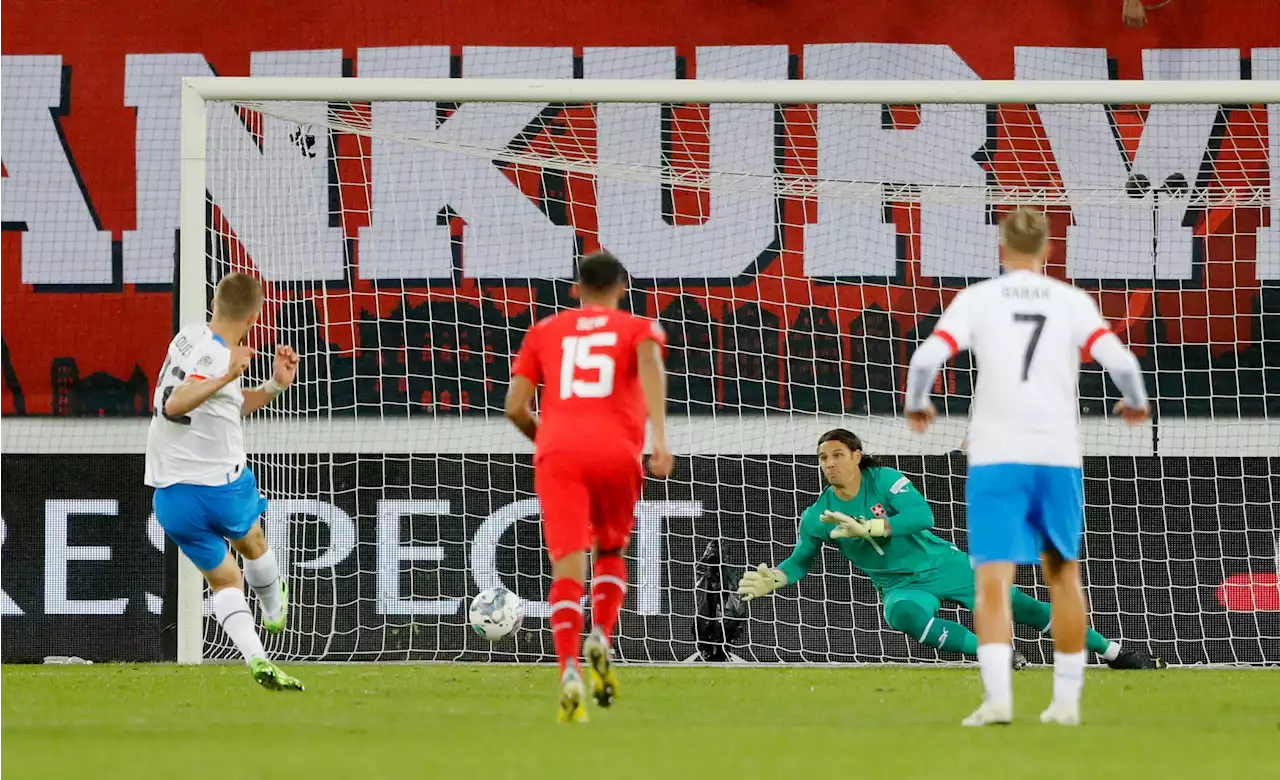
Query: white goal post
[1254,435]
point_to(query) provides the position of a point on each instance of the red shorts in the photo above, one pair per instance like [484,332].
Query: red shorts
[587,497]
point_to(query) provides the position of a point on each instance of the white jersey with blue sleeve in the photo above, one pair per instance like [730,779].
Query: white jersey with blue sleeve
[1028,334]
[205,446]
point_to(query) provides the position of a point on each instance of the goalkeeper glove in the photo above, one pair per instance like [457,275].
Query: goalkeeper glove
[760,582]
[847,527]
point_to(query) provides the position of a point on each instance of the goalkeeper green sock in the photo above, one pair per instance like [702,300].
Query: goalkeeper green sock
[950,636]
[1029,612]
[1101,645]
[1037,614]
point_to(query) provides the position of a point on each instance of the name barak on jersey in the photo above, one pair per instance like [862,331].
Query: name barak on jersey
[1025,293]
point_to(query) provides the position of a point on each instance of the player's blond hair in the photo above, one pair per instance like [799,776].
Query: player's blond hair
[238,296]
[1024,230]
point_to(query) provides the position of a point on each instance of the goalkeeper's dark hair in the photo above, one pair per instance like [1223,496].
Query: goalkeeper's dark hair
[600,271]
[850,439]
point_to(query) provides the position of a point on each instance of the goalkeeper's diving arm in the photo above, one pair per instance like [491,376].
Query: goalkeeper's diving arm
[765,580]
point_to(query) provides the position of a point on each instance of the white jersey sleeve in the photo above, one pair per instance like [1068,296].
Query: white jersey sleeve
[205,446]
[1087,322]
[209,359]
[956,326]
[952,334]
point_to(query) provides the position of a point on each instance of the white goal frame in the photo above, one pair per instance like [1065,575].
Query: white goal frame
[197,92]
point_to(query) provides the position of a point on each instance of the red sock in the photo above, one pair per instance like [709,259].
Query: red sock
[608,589]
[566,619]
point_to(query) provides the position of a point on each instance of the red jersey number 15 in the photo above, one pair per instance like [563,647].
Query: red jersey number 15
[576,355]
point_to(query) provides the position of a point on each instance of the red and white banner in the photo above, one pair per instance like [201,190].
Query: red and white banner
[90,154]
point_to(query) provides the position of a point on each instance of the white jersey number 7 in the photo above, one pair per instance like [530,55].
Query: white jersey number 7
[1038,321]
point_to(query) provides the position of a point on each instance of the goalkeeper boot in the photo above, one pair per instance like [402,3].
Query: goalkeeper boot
[1062,714]
[272,677]
[1020,661]
[991,713]
[573,706]
[1130,658]
[275,626]
[604,683]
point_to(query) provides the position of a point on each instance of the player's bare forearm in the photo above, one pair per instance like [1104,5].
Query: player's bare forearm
[527,424]
[282,376]
[1134,13]
[286,370]
[519,406]
[187,397]
[255,400]
[653,381]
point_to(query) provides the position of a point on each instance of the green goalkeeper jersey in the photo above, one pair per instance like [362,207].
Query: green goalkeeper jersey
[909,550]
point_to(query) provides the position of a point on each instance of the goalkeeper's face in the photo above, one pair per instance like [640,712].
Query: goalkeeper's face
[839,463]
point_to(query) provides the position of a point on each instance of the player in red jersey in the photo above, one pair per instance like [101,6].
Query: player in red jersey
[601,373]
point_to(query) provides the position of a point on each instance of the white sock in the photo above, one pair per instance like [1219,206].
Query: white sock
[263,576]
[1068,677]
[996,663]
[233,614]
[1112,652]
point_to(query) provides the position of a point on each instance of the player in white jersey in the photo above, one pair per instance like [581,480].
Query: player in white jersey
[1025,493]
[206,495]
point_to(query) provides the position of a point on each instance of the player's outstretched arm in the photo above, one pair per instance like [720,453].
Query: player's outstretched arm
[197,389]
[951,335]
[760,582]
[765,580]
[653,382]
[286,368]
[1126,372]
[519,406]
[526,375]
[921,372]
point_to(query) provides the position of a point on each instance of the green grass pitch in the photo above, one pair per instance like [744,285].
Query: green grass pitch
[410,721]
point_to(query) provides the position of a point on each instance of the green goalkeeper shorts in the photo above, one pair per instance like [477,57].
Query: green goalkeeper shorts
[950,580]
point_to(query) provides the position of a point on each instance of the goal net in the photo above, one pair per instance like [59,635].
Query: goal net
[796,252]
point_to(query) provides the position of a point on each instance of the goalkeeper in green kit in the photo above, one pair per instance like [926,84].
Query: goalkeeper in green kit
[881,524]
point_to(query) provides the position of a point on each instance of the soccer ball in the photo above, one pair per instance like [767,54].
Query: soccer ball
[496,613]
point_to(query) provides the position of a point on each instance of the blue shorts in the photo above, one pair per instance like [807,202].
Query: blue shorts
[201,518]
[1016,511]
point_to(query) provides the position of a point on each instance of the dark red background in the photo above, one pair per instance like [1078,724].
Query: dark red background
[121,331]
